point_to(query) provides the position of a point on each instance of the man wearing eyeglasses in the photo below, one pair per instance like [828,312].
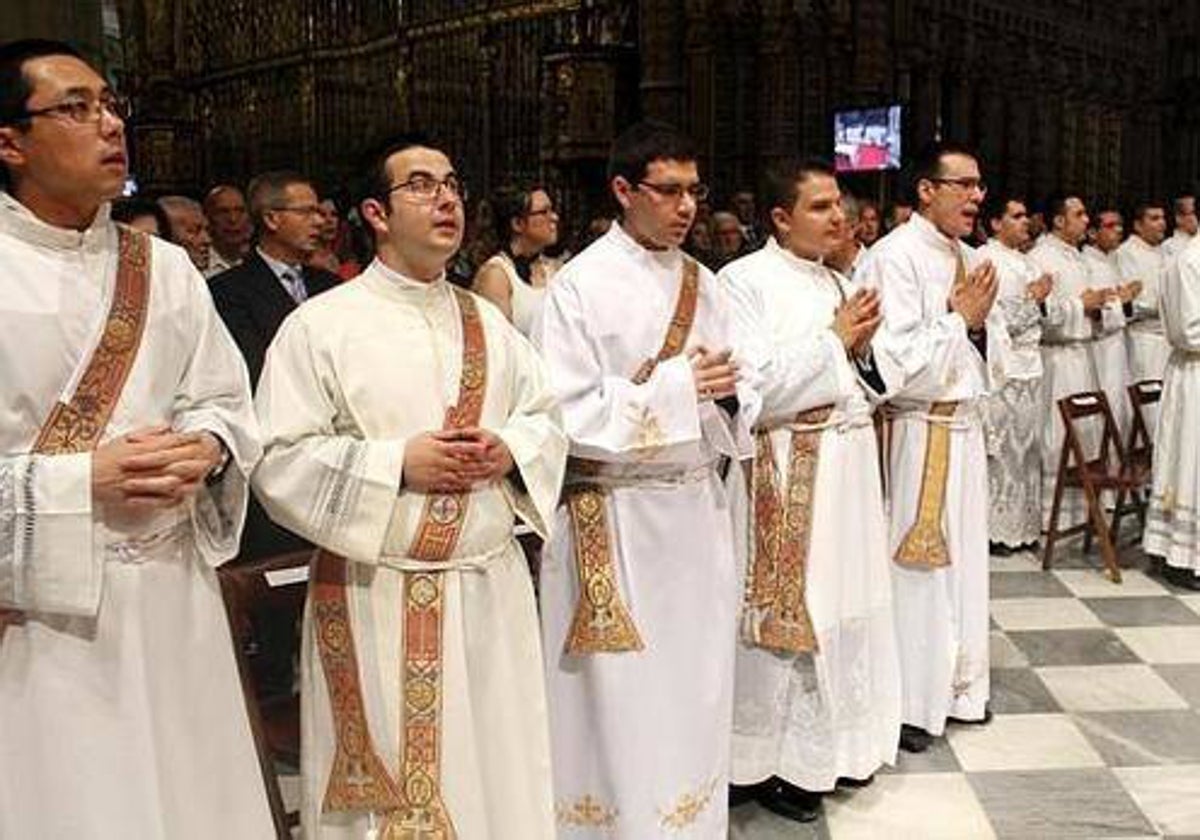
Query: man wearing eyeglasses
[639,591]
[126,435]
[407,425]
[941,349]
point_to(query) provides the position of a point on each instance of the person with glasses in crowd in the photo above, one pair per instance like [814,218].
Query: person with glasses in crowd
[941,350]
[126,438]
[406,425]
[638,585]
[515,278]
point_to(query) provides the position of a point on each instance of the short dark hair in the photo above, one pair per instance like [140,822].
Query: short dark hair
[1180,197]
[927,165]
[1139,208]
[997,205]
[510,203]
[643,143]
[371,179]
[781,183]
[1055,205]
[15,88]
[127,209]
[265,191]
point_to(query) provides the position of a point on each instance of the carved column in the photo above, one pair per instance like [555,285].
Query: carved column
[661,22]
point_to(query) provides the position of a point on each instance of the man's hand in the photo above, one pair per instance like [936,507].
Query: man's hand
[972,298]
[1128,292]
[1093,300]
[715,374]
[152,468]
[1040,288]
[455,460]
[857,319]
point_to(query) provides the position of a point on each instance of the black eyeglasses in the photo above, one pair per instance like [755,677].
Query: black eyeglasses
[85,109]
[675,192]
[965,184]
[426,187]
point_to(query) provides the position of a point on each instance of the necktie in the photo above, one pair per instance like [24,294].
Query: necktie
[295,285]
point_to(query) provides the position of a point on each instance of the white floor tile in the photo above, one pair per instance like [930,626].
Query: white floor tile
[1043,614]
[1192,602]
[1162,645]
[1023,742]
[1169,796]
[933,806]
[1110,688]
[1089,583]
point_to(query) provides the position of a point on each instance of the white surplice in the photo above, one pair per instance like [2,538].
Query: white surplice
[1070,365]
[1173,520]
[351,376]
[641,738]
[1110,349]
[926,356]
[811,718]
[1014,414]
[121,713]
[1176,244]
[1137,259]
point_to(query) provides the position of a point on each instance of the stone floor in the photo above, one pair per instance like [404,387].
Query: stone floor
[1096,695]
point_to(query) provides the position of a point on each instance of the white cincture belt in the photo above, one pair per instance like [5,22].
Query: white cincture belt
[641,475]
[1067,342]
[840,424]
[466,563]
[137,549]
[964,418]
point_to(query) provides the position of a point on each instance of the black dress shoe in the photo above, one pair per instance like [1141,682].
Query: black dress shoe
[913,739]
[1000,550]
[847,782]
[793,803]
[741,794]
[1183,578]
[983,721]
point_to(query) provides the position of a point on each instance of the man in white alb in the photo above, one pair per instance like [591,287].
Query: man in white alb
[1186,225]
[1141,259]
[1110,348]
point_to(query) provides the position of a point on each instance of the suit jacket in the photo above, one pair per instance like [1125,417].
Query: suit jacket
[253,303]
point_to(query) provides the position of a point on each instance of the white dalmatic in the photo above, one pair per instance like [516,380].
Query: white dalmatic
[1070,365]
[1110,348]
[1014,413]
[811,718]
[1173,520]
[928,360]
[351,377]
[1137,259]
[641,737]
[121,712]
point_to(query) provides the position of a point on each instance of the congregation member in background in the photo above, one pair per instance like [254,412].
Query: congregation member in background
[188,227]
[230,226]
[515,278]
[817,686]
[143,215]
[745,207]
[941,350]
[1186,225]
[899,213]
[121,713]
[638,584]
[847,255]
[407,424]
[1140,259]
[870,223]
[1110,348]
[1173,519]
[326,255]
[1068,334]
[700,244]
[729,242]
[1014,413]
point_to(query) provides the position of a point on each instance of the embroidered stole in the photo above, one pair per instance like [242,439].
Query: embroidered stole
[924,546]
[602,623]
[775,614]
[359,780]
[76,426]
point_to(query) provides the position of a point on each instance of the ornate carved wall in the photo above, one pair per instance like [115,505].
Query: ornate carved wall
[1095,95]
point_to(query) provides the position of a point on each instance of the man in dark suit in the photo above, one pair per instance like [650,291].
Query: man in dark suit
[253,298]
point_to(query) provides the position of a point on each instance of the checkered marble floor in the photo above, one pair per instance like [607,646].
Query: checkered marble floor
[1096,696]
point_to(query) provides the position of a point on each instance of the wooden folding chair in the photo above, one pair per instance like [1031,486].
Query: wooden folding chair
[1110,470]
[272,583]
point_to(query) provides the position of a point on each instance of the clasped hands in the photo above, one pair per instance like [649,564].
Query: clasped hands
[1040,288]
[972,297]
[856,320]
[455,460]
[153,468]
[715,374]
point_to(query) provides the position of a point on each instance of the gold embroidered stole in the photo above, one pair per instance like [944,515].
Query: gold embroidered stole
[77,426]
[775,614]
[602,623]
[924,546]
[359,781]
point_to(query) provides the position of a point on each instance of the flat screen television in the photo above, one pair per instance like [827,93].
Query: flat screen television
[867,139]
